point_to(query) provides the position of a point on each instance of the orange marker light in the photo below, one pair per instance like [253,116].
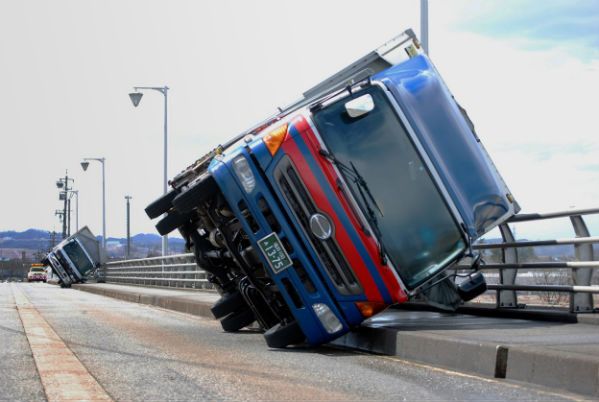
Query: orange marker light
[275,138]
[368,309]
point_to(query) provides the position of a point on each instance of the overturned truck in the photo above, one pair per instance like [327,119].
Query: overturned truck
[75,258]
[359,195]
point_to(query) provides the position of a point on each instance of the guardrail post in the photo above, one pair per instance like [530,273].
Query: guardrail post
[581,302]
[507,276]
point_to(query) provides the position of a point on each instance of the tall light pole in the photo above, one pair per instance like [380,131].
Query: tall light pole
[76,194]
[84,165]
[424,25]
[135,99]
[128,198]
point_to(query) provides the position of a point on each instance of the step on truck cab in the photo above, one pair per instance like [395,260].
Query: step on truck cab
[75,258]
[359,195]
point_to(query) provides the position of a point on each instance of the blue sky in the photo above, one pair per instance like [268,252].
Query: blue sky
[542,22]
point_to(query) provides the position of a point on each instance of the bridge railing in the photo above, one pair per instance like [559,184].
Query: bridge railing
[179,271]
[578,285]
[514,277]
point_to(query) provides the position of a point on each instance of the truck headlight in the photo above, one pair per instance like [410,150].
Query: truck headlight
[327,318]
[244,173]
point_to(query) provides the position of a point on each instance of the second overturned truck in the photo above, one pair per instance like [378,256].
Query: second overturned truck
[358,196]
[75,258]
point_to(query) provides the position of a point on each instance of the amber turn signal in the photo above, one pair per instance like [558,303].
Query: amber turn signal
[368,309]
[275,138]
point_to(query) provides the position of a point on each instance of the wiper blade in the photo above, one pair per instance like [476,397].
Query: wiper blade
[365,194]
[363,185]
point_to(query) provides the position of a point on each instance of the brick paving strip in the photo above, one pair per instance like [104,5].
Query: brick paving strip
[62,374]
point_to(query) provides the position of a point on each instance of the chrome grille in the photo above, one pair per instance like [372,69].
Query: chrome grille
[303,206]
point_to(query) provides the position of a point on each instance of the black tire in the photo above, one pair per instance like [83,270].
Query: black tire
[198,192]
[281,336]
[227,304]
[161,205]
[171,222]
[235,321]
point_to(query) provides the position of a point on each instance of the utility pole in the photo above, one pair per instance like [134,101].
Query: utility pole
[128,198]
[64,213]
[63,185]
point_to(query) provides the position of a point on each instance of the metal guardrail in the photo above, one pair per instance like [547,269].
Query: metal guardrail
[580,290]
[181,270]
[178,271]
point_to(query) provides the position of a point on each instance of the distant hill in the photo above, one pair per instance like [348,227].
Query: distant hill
[37,239]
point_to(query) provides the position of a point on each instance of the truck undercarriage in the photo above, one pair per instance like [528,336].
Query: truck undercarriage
[198,209]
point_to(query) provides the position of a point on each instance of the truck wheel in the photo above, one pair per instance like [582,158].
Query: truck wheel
[200,191]
[161,205]
[228,303]
[281,336]
[171,222]
[235,321]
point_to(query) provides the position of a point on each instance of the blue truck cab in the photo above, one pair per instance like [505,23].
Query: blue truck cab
[359,195]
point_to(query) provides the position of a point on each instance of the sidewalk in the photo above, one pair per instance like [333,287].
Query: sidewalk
[553,354]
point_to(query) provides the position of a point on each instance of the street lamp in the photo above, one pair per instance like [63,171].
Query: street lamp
[135,99]
[128,199]
[424,25]
[84,165]
[76,194]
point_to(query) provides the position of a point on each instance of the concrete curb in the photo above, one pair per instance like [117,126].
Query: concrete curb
[557,369]
[487,359]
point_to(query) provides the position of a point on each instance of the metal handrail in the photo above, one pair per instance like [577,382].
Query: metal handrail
[538,265]
[546,288]
[191,264]
[178,270]
[174,270]
[159,272]
[551,215]
[537,243]
[581,292]
[151,258]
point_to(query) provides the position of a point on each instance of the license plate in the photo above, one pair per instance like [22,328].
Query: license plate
[275,253]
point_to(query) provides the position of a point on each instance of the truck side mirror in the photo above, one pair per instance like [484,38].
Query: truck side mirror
[360,106]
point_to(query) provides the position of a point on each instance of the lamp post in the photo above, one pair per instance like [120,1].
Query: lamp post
[135,99]
[84,165]
[128,198]
[424,25]
[76,194]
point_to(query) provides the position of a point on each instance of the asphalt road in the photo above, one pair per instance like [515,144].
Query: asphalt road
[137,352]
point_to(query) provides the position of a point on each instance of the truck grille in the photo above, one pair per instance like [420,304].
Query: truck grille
[303,207]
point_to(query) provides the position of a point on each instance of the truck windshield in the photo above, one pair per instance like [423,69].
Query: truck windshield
[77,255]
[415,225]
